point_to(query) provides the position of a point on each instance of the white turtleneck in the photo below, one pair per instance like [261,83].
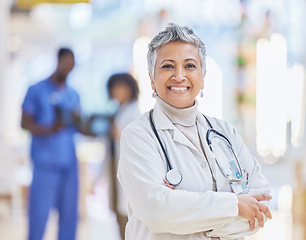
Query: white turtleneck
[184,119]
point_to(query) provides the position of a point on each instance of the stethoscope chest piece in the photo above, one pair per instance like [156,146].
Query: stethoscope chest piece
[174,177]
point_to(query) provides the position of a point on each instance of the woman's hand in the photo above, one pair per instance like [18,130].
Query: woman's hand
[167,184]
[250,208]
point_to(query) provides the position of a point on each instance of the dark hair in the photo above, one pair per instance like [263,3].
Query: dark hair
[64,51]
[123,78]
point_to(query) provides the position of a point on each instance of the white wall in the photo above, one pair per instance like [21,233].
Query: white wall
[4,33]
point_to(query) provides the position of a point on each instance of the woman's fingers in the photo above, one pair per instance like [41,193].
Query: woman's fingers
[260,218]
[262,197]
[165,181]
[252,223]
[251,208]
[167,184]
[265,210]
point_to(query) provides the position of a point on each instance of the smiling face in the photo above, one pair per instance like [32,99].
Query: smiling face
[177,71]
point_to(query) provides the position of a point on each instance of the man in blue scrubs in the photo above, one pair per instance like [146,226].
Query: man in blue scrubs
[47,112]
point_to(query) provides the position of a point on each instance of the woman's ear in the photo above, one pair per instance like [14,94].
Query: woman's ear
[152,83]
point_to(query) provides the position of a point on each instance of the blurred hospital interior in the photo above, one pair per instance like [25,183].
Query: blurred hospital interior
[256,58]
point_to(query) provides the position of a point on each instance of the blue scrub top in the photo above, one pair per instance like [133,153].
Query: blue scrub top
[57,150]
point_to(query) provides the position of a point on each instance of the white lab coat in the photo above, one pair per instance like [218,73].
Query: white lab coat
[192,211]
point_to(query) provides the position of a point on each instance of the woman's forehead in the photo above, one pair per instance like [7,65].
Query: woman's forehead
[178,49]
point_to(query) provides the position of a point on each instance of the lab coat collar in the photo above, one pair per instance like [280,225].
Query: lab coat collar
[202,121]
[162,122]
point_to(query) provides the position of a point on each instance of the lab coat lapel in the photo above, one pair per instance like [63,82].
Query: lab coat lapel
[162,122]
[202,128]
[180,138]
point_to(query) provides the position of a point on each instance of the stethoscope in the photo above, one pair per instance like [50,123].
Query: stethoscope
[174,176]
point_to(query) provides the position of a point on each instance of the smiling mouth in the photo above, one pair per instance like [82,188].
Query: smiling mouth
[178,88]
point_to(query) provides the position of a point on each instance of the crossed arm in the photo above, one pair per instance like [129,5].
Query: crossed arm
[218,214]
[250,207]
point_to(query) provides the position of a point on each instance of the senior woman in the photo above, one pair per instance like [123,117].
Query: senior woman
[186,175]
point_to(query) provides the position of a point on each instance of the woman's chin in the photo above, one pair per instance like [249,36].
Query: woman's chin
[181,104]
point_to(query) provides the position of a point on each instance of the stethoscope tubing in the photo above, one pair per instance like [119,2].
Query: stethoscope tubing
[160,142]
[173,176]
[209,142]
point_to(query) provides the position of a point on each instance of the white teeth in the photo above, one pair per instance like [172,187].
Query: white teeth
[179,88]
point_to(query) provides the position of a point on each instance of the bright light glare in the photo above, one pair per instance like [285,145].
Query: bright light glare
[91,151]
[271,114]
[140,72]
[211,103]
[284,213]
[297,103]
[285,197]
[279,99]
[80,15]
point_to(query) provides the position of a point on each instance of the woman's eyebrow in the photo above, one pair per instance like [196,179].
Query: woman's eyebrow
[188,59]
[170,60]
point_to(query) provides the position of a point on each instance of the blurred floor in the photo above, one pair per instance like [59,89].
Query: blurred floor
[89,228]
[105,227]
[97,221]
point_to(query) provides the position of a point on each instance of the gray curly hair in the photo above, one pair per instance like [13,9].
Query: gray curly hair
[174,33]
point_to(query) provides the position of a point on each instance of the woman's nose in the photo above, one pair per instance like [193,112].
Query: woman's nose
[179,75]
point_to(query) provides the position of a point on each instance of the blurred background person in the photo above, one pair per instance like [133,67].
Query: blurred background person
[47,112]
[124,89]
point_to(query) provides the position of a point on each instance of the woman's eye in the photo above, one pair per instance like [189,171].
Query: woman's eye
[190,65]
[167,66]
